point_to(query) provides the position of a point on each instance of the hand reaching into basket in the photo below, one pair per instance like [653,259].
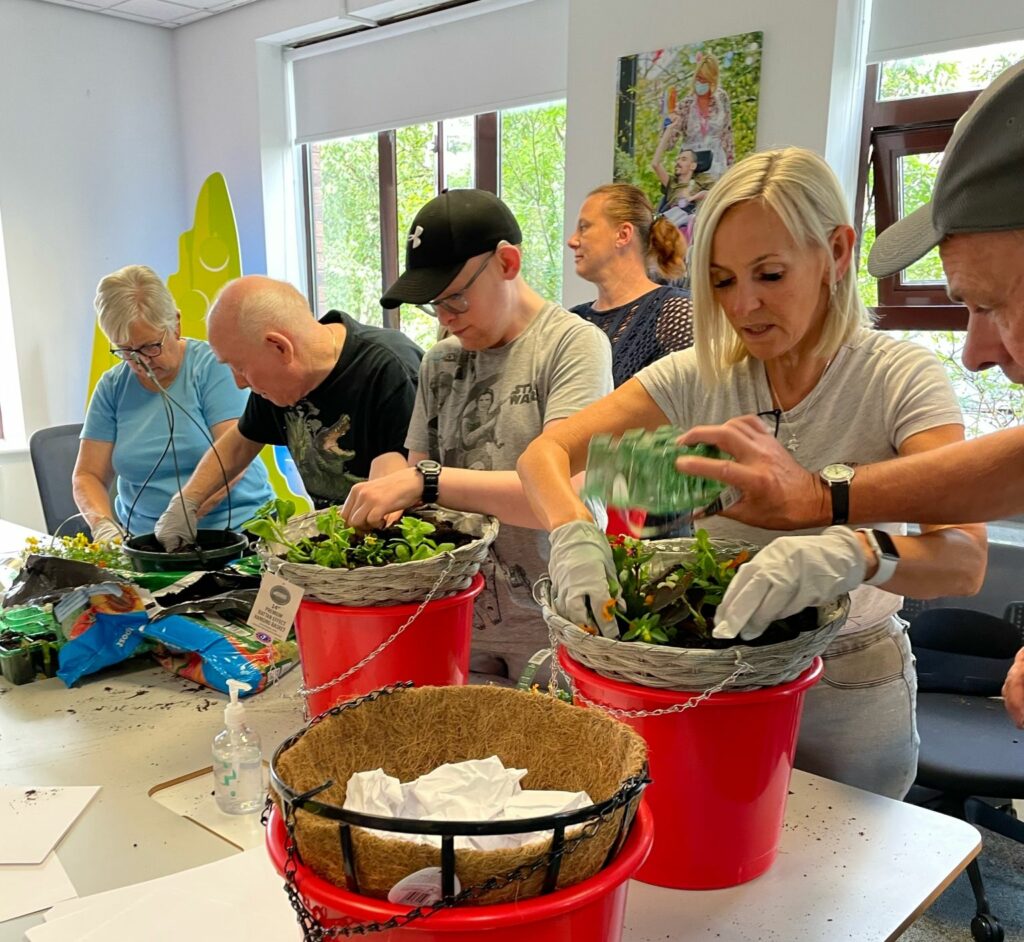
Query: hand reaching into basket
[379,502]
[581,568]
[786,576]
[176,527]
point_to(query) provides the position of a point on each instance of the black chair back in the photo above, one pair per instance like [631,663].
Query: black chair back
[962,651]
[54,452]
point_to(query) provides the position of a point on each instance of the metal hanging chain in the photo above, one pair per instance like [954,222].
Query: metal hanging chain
[308,691]
[310,919]
[742,667]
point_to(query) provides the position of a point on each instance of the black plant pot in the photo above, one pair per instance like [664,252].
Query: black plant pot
[214,550]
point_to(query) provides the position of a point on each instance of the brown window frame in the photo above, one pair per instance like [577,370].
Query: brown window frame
[487,174]
[891,130]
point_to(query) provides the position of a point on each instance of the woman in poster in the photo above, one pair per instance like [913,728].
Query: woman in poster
[703,119]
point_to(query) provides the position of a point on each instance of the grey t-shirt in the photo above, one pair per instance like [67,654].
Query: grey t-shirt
[876,393]
[479,409]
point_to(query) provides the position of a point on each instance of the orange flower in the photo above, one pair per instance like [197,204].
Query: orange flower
[608,609]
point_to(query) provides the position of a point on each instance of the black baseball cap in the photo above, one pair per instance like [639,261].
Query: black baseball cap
[446,233]
[980,183]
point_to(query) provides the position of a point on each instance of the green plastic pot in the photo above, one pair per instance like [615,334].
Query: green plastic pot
[216,549]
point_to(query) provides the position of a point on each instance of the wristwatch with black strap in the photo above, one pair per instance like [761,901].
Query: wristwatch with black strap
[838,478]
[431,472]
[888,557]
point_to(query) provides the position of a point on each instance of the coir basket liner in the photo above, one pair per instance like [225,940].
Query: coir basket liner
[740,667]
[395,582]
[409,732]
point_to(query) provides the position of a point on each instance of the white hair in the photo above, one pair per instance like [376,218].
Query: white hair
[129,294]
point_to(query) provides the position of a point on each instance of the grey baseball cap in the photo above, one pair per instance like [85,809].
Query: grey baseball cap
[980,183]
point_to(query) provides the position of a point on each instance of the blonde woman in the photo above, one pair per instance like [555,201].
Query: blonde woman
[781,332]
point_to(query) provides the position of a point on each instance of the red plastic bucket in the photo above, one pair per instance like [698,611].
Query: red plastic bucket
[590,911]
[719,774]
[432,651]
[624,522]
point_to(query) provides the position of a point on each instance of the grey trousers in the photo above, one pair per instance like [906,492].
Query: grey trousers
[859,724]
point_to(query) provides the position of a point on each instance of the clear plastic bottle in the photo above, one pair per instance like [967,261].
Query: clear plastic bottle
[237,759]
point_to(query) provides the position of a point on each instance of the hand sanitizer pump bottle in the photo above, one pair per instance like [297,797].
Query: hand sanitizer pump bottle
[237,759]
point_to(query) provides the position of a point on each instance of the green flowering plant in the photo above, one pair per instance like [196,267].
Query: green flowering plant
[339,546]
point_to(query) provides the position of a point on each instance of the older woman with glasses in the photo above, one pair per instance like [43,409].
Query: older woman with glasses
[781,332]
[133,433]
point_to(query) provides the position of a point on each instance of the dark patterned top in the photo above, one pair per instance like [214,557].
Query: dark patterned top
[644,329]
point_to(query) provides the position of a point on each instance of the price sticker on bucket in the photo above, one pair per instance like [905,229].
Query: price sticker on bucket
[273,613]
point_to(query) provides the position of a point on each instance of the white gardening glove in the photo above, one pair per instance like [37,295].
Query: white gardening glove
[106,531]
[580,566]
[786,576]
[177,524]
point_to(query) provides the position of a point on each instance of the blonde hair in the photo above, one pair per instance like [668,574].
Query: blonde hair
[133,293]
[659,241]
[804,193]
[708,67]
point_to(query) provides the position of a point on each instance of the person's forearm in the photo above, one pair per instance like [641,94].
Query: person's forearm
[950,561]
[487,492]
[970,481]
[235,453]
[386,464]
[545,472]
[92,498]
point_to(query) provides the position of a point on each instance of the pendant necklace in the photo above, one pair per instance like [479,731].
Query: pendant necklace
[792,442]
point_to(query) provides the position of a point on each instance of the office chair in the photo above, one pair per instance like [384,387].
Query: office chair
[969,746]
[53,452]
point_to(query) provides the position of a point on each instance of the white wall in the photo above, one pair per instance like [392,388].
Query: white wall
[90,179]
[802,67]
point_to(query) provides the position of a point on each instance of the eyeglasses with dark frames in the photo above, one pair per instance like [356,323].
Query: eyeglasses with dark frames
[149,350]
[771,418]
[456,303]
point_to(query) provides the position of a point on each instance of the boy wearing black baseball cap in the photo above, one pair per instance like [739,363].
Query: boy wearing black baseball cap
[512,364]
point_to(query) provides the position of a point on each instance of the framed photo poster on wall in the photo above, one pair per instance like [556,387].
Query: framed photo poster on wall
[685,114]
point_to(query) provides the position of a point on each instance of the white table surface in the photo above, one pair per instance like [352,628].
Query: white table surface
[851,866]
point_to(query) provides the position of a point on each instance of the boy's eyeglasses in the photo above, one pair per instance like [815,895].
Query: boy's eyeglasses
[149,350]
[456,303]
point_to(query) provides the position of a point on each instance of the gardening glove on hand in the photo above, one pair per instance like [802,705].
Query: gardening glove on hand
[106,531]
[788,575]
[177,524]
[580,567]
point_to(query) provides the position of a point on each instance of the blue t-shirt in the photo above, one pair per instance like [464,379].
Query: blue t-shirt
[124,412]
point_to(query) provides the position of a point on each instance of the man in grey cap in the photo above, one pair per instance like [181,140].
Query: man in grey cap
[512,365]
[976,218]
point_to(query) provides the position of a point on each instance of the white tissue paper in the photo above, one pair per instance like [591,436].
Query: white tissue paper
[474,790]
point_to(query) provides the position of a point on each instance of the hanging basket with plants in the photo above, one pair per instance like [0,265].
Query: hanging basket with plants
[433,551]
[669,591]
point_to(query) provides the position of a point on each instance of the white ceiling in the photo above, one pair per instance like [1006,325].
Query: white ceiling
[169,13]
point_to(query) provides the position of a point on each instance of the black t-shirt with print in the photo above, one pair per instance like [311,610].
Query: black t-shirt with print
[361,410]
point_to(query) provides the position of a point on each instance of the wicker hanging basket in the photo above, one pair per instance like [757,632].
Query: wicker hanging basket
[673,668]
[395,582]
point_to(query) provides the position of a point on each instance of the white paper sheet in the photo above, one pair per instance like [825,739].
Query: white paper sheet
[34,819]
[246,883]
[28,888]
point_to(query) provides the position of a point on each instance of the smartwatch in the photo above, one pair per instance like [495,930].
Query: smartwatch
[431,471]
[885,552]
[838,478]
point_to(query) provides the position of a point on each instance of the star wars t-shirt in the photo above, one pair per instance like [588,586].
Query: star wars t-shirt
[479,410]
[361,410]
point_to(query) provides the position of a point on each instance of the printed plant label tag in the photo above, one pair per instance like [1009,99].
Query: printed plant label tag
[421,888]
[273,613]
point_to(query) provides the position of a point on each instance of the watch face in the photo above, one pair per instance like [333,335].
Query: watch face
[427,466]
[837,473]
